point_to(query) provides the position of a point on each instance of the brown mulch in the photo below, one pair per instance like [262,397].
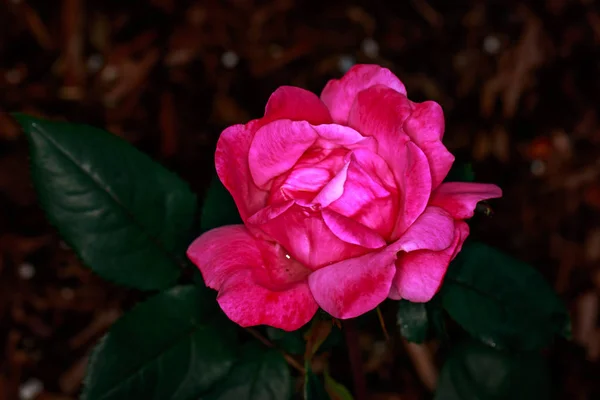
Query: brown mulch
[518,80]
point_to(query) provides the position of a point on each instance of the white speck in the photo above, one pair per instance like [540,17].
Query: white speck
[110,73]
[370,47]
[26,271]
[345,63]
[230,59]
[13,76]
[30,389]
[287,256]
[67,293]
[95,63]
[491,44]
[538,167]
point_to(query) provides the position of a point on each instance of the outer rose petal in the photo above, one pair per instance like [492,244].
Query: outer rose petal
[339,95]
[433,230]
[231,161]
[461,198]
[415,188]
[304,234]
[289,102]
[276,147]
[381,113]
[425,126]
[352,287]
[249,304]
[257,284]
[420,273]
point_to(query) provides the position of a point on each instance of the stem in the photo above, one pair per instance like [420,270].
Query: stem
[360,384]
[289,359]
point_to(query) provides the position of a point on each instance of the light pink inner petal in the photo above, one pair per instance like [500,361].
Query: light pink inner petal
[333,189]
[277,147]
[306,237]
[433,230]
[354,286]
[232,168]
[334,135]
[420,273]
[339,95]
[369,195]
[351,231]
[296,104]
[461,198]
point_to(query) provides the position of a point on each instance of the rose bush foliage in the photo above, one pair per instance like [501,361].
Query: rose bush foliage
[342,202]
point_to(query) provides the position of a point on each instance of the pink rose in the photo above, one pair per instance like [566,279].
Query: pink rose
[342,201]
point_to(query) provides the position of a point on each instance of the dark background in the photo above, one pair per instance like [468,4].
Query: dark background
[518,81]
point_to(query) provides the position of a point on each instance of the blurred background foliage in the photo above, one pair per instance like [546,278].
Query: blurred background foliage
[518,81]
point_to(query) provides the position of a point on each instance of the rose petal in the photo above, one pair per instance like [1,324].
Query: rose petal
[425,126]
[381,113]
[433,230]
[304,234]
[355,286]
[420,273]
[249,304]
[333,135]
[232,168]
[351,231]
[339,95]
[276,147]
[369,193]
[257,284]
[415,188]
[333,189]
[461,198]
[296,104]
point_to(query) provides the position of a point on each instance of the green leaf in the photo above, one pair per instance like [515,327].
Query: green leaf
[460,172]
[171,347]
[259,374]
[413,321]
[127,217]
[313,387]
[474,371]
[336,390]
[502,301]
[218,208]
[291,342]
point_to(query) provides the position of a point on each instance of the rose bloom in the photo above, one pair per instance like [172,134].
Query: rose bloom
[342,202]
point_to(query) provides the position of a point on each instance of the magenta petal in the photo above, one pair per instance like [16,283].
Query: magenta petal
[333,189]
[420,273]
[369,194]
[304,234]
[339,95]
[232,168]
[461,198]
[353,287]
[425,126]
[414,186]
[257,284]
[351,231]
[277,147]
[334,135]
[381,113]
[433,230]
[249,304]
[296,104]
